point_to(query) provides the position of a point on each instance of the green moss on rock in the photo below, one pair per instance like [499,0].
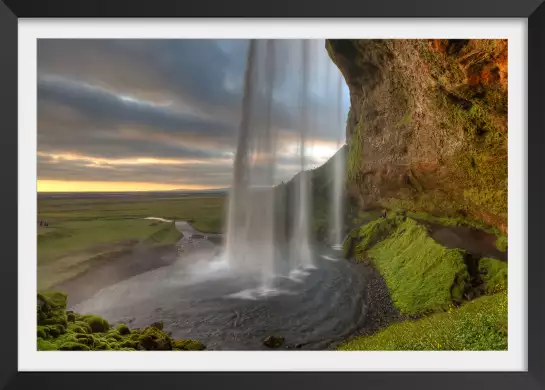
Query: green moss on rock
[373,232]
[123,329]
[55,299]
[71,316]
[51,309]
[127,343]
[46,345]
[422,275]
[153,339]
[114,335]
[494,274]
[348,243]
[92,332]
[80,327]
[53,330]
[41,332]
[86,339]
[96,323]
[188,345]
[501,243]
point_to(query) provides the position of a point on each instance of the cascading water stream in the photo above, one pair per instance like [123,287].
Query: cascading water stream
[300,252]
[252,245]
[337,206]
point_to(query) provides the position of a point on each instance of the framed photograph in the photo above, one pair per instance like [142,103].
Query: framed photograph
[246,194]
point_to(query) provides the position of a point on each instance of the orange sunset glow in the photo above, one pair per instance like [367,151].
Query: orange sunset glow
[108,186]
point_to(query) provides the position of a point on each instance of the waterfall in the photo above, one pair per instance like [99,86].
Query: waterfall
[337,199]
[250,243]
[258,242]
[300,253]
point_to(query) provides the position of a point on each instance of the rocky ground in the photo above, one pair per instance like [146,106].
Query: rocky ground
[380,310]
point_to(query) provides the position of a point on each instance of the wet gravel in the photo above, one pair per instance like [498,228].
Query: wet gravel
[380,309]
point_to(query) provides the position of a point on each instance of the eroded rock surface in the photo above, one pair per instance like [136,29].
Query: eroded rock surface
[427,128]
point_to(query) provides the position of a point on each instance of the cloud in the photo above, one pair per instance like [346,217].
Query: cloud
[170,99]
[216,172]
[78,116]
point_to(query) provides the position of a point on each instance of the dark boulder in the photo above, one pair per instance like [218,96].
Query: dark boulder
[273,341]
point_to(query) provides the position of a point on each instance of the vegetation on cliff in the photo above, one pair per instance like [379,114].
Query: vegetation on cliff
[61,330]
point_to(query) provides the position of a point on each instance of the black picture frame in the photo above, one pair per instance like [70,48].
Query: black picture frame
[532,10]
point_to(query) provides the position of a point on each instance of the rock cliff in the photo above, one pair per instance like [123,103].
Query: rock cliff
[427,127]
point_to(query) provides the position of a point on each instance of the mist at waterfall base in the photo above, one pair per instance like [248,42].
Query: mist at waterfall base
[270,277]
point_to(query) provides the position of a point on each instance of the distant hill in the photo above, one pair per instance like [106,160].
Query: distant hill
[321,179]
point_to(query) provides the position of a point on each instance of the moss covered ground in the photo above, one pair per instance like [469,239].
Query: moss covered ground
[428,281]
[501,243]
[479,325]
[493,273]
[58,329]
[422,275]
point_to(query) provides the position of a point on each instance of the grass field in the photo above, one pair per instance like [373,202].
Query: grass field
[205,211]
[84,231]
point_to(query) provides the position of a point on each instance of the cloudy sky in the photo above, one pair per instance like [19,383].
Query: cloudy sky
[124,115]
